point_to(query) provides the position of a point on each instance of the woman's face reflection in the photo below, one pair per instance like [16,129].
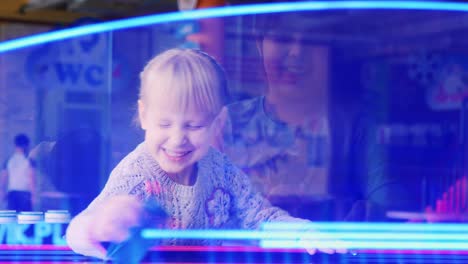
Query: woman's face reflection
[294,66]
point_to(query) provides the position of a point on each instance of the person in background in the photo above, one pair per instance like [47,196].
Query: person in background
[19,177]
[181,109]
[309,138]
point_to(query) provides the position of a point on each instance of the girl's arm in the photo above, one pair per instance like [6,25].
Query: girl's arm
[252,209]
[108,218]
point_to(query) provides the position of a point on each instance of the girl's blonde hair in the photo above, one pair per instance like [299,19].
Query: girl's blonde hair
[187,77]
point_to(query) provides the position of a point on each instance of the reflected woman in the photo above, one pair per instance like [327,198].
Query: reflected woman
[307,142]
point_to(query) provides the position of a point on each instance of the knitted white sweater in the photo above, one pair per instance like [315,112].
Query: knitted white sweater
[222,196]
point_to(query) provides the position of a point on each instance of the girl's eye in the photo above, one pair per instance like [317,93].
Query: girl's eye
[164,125]
[194,126]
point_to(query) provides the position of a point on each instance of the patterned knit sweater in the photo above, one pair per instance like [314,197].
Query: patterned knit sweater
[222,196]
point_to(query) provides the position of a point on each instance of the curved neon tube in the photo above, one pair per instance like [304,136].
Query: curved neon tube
[223,12]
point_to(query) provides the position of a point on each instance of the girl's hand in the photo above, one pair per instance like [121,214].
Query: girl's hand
[114,219]
[110,222]
[310,244]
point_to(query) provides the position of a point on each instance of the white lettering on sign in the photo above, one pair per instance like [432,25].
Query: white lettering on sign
[32,234]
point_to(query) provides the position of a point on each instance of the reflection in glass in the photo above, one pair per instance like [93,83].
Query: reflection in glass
[336,115]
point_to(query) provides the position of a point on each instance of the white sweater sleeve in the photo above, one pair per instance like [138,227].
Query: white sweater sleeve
[251,207]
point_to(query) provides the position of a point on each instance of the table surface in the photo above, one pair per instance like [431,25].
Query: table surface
[231,254]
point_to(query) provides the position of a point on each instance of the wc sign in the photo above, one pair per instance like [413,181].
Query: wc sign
[77,64]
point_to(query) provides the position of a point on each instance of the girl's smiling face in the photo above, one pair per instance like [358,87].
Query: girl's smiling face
[176,138]
[181,109]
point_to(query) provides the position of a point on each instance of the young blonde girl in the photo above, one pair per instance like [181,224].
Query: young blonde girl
[181,110]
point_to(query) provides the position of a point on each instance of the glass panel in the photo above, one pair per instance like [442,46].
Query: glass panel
[332,114]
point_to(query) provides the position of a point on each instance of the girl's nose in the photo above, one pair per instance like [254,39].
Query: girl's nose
[178,137]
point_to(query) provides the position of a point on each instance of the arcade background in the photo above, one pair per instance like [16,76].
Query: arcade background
[76,99]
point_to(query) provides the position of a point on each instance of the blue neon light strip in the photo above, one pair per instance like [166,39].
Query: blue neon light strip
[368,227]
[388,236]
[208,234]
[223,12]
[411,245]
[291,235]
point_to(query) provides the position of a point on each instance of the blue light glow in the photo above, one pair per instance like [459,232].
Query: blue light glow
[403,245]
[223,12]
[291,235]
[388,236]
[367,227]
[205,234]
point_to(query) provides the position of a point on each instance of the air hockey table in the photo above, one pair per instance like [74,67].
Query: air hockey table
[232,254]
[35,238]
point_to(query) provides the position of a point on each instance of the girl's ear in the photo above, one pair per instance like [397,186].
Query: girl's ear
[218,129]
[142,114]
[220,120]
